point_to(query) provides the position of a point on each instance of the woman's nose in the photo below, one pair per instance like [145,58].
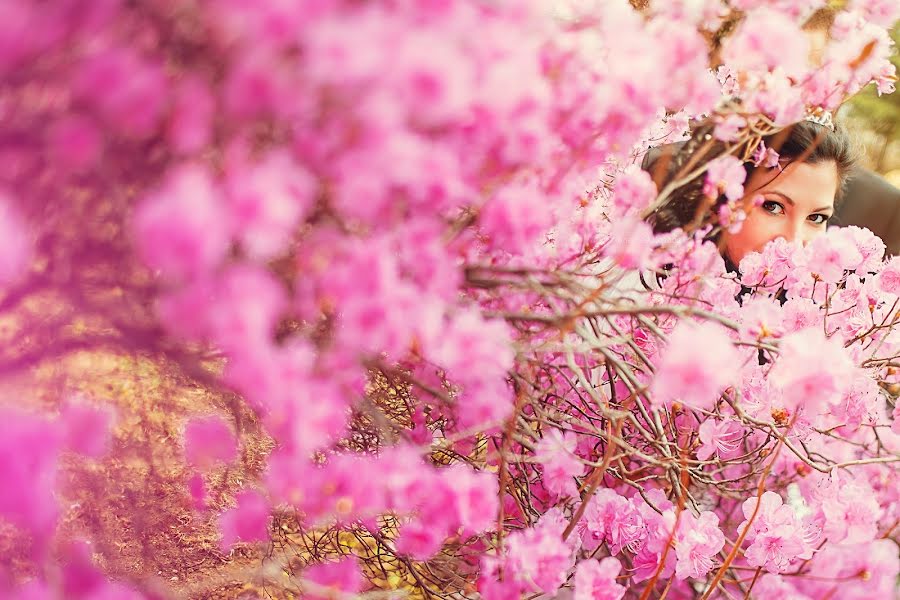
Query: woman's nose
[795,232]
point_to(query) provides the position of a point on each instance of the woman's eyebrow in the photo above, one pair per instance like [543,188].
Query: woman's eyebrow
[790,201]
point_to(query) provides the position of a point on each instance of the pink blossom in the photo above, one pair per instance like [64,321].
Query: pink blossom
[870,570]
[768,268]
[634,191]
[477,355]
[631,244]
[776,535]
[659,520]
[420,539]
[776,96]
[516,218]
[799,314]
[849,507]
[82,580]
[248,301]
[266,202]
[556,452]
[28,476]
[889,278]
[722,438]
[767,39]
[812,370]
[246,522]
[698,363]
[697,541]
[830,256]
[333,578]
[179,228]
[258,84]
[761,318]
[537,557]
[596,579]
[436,87]
[208,440]
[895,415]
[475,497]
[133,89]
[196,488]
[731,217]
[611,518]
[861,403]
[728,129]
[725,174]
[870,247]
[766,157]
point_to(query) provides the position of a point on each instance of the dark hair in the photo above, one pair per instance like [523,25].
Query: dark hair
[805,141]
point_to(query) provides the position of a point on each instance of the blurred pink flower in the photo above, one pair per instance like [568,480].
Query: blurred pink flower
[341,577]
[698,363]
[556,453]
[246,522]
[180,228]
[596,580]
[725,175]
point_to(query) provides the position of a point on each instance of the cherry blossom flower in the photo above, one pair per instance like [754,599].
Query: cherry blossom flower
[697,541]
[726,175]
[556,452]
[179,226]
[776,536]
[596,580]
[721,438]
[698,363]
[610,518]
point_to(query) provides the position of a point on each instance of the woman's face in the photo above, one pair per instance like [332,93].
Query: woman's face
[796,203]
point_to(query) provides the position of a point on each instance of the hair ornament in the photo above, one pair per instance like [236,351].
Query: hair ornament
[822,117]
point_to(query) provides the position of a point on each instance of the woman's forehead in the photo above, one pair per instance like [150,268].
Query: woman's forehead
[807,185]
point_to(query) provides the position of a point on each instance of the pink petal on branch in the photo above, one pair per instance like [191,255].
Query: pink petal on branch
[725,175]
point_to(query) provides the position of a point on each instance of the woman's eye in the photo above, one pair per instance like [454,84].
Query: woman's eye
[818,219]
[773,207]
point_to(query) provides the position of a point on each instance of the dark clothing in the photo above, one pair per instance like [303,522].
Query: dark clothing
[871,201]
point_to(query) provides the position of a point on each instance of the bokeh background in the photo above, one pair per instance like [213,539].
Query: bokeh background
[875,122]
